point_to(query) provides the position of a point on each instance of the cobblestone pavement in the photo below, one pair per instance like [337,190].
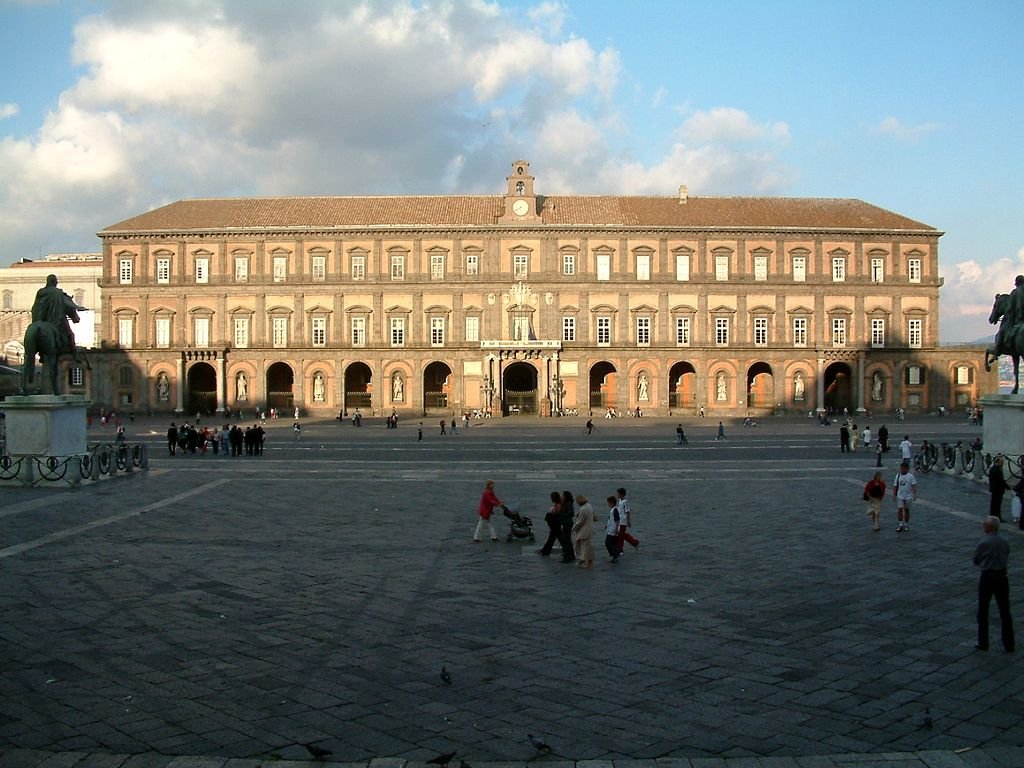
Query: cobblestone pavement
[219,612]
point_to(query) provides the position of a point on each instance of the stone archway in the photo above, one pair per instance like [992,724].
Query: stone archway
[760,386]
[436,386]
[682,386]
[519,383]
[839,388]
[358,387]
[603,378]
[280,387]
[202,389]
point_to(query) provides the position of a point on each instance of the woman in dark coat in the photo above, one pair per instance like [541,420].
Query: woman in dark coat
[554,521]
[565,515]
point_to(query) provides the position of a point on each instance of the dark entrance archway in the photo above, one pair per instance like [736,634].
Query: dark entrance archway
[682,386]
[602,385]
[838,387]
[202,389]
[358,386]
[519,382]
[436,385]
[760,386]
[280,387]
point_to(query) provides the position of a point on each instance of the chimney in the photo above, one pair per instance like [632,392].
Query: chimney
[683,194]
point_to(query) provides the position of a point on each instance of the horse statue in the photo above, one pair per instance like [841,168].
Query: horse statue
[1009,338]
[49,336]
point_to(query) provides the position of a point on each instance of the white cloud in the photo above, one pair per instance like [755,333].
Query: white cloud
[968,294]
[894,127]
[730,125]
[9,109]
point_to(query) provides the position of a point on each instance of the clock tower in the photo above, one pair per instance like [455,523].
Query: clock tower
[520,200]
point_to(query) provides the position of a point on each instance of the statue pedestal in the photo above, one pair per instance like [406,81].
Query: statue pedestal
[43,426]
[1003,427]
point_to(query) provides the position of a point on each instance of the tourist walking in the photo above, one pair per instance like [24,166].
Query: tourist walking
[992,555]
[611,529]
[883,438]
[554,521]
[680,435]
[488,501]
[419,433]
[878,453]
[721,432]
[844,439]
[583,532]
[625,521]
[906,449]
[296,428]
[590,426]
[997,487]
[565,518]
[874,495]
[172,438]
[443,431]
[904,490]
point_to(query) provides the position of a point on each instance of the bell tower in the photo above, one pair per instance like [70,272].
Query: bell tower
[520,200]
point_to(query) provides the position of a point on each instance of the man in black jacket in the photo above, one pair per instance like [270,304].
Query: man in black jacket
[997,487]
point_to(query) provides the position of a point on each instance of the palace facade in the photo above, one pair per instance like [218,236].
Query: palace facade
[526,303]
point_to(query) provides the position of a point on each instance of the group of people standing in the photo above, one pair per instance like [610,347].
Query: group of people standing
[571,523]
[233,439]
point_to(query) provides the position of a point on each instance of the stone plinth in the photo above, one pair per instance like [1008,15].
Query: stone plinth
[46,425]
[1003,428]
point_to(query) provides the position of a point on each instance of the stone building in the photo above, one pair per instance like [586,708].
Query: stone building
[526,303]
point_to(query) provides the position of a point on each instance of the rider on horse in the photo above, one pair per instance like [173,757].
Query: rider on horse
[54,306]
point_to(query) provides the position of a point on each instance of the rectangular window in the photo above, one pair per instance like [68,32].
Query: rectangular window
[163,332]
[799,269]
[682,267]
[643,266]
[125,271]
[241,269]
[838,331]
[398,266]
[279,332]
[568,263]
[914,375]
[472,263]
[125,328]
[760,267]
[280,268]
[604,331]
[202,270]
[799,331]
[358,331]
[568,329]
[838,269]
[77,376]
[721,331]
[202,331]
[437,331]
[397,331]
[604,266]
[760,331]
[915,333]
[437,266]
[913,270]
[963,374]
[877,332]
[722,267]
[682,331]
[520,328]
[643,331]
[877,270]
[472,329]
[520,265]
[319,268]
[319,332]
[358,267]
[163,271]
[241,332]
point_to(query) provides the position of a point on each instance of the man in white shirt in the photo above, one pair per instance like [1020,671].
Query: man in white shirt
[904,490]
[905,448]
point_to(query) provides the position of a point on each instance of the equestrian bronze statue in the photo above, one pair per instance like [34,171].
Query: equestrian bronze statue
[50,336]
[1008,311]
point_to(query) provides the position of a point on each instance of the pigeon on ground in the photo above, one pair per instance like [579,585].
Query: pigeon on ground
[318,752]
[446,676]
[539,745]
[442,760]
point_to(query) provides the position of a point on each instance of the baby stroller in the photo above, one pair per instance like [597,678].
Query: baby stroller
[519,526]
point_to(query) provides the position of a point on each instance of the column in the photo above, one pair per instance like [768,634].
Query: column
[179,406]
[222,385]
[820,388]
[860,382]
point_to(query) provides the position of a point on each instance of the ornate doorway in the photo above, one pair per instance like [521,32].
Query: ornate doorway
[520,387]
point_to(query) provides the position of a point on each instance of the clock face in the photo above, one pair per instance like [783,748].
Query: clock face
[520,207]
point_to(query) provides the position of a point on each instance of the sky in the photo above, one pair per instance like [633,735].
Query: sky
[109,108]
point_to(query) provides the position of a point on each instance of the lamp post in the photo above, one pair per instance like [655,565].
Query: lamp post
[488,391]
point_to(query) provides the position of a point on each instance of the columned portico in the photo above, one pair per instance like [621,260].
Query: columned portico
[507,352]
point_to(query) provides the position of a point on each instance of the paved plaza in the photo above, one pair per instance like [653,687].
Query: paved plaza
[219,611]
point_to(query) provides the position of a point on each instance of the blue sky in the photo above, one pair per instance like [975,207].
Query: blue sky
[110,108]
